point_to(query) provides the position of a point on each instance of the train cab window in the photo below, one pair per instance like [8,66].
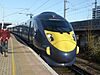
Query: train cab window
[56,25]
[35,26]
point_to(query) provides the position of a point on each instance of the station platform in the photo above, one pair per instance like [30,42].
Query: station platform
[22,60]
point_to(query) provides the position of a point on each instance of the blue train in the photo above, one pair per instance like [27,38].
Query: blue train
[53,36]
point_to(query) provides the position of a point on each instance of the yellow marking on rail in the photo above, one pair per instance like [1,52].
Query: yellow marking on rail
[13,61]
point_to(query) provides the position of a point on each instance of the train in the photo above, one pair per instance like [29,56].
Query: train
[52,35]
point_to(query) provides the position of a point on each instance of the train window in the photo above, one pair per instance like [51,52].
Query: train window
[56,25]
[35,26]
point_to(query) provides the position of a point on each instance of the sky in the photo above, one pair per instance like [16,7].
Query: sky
[15,10]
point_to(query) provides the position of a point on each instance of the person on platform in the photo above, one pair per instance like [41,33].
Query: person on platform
[4,36]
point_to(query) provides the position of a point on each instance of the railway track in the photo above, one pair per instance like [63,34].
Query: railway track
[79,71]
[72,70]
[63,71]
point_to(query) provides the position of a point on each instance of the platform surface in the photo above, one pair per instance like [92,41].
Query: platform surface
[22,60]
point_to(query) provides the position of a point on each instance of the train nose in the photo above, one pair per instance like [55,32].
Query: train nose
[63,57]
[64,51]
[65,45]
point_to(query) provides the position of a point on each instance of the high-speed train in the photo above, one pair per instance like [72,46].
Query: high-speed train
[53,36]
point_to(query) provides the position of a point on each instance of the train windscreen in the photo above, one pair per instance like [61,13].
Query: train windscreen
[56,25]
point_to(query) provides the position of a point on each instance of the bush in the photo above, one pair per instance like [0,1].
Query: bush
[94,48]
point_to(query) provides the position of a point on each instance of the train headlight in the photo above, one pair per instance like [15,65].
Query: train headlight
[77,50]
[48,50]
[50,37]
[66,54]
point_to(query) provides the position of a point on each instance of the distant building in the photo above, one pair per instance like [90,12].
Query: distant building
[96,13]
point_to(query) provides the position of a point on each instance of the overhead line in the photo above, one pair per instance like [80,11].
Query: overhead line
[78,12]
[41,5]
[53,5]
[45,3]
[80,3]
[14,13]
[81,8]
[33,4]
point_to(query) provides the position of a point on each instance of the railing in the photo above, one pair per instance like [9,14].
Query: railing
[93,24]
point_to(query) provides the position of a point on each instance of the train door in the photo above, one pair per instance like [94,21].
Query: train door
[29,32]
[33,31]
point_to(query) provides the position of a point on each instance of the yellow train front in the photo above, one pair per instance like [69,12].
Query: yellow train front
[61,47]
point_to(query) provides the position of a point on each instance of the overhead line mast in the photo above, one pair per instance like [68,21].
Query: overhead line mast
[65,1]
[2,18]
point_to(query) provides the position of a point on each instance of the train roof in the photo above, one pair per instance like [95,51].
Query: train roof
[49,15]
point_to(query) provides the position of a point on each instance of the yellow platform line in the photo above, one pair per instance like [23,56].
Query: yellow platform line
[13,60]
